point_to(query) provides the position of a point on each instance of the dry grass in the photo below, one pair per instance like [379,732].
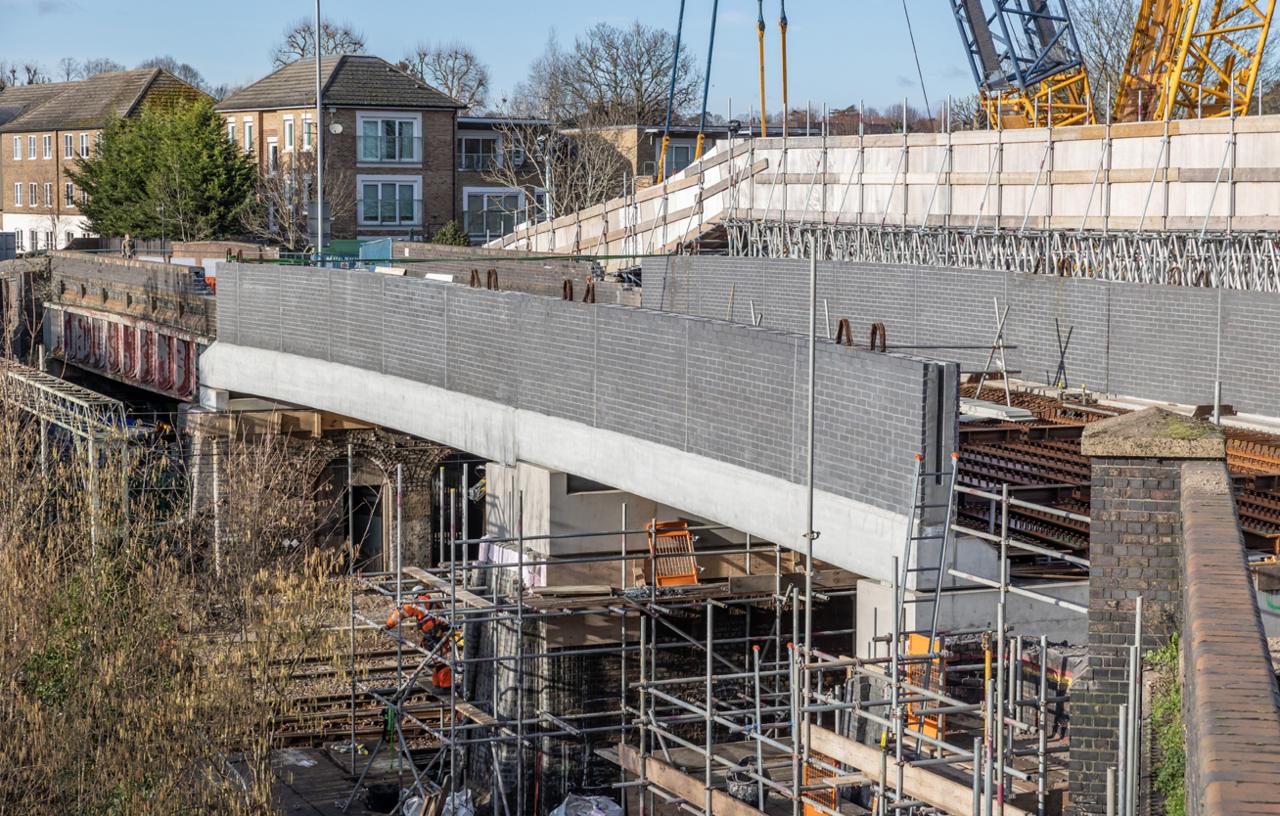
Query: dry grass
[130,671]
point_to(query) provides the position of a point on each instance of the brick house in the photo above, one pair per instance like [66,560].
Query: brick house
[389,142]
[46,129]
[488,208]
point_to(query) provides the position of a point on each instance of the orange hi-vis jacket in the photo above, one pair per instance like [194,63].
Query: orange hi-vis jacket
[419,610]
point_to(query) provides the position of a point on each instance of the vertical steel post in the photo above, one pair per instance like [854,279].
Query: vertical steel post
[399,607]
[1000,647]
[707,721]
[1042,741]
[351,586]
[520,690]
[319,139]
[810,534]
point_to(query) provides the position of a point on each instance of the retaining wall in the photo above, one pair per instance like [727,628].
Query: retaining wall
[1137,340]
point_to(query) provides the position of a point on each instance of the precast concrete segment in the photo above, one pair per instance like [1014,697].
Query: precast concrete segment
[1152,342]
[857,535]
[687,411]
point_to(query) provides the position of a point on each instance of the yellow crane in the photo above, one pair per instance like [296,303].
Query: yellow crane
[1192,58]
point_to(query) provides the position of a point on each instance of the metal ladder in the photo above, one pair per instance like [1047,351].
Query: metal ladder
[914,536]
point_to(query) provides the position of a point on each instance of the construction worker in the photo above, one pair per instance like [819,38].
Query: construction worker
[432,629]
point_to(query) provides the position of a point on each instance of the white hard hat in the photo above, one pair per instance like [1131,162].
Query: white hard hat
[418,588]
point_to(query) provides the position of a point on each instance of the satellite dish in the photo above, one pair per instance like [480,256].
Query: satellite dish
[335,128]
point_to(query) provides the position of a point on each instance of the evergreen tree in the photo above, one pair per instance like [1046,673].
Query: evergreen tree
[169,171]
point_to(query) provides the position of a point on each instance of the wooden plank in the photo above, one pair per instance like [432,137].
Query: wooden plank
[681,784]
[464,597]
[918,783]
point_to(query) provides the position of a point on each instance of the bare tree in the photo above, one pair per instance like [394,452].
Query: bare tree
[621,73]
[34,73]
[278,212]
[1105,30]
[68,69]
[453,68]
[183,71]
[576,168]
[99,65]
[299,41]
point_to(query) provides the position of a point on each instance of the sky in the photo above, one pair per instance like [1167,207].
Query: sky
[839,51]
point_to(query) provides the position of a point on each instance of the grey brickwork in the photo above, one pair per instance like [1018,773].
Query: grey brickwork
[729,392]
[1154,342]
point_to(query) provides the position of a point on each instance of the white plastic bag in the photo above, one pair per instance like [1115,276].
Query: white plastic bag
[587,806]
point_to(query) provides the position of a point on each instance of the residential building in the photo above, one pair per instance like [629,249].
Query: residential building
[46,129]
[492,196]
[388,140]
[640,146]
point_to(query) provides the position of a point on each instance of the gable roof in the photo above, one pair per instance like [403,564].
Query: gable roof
[88,103]
[348,80]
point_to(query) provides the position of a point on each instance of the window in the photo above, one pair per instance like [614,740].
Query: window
[489,213]
[31,147]
[289,134]
[35,239]
[17,240]
[84,145]
[17,195]
[48,239]
[273,156]
[248,135]
[48,194]
[32,192]
[69,194]
[84,199]
[306,131]
[68,146]
[231,130]
[678,158]
[477,152]
[48,146]
[388,140]
[71,236]
[17,148]
[388,203]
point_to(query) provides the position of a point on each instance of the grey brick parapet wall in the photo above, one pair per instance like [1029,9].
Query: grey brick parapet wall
[1155,342]
[729,392]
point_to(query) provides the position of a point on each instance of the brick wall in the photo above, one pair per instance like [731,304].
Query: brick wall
[1138,340]
[1230,703]
[159,293]
[729,392]
[1134,549]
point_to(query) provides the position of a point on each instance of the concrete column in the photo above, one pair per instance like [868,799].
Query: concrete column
[1135,546]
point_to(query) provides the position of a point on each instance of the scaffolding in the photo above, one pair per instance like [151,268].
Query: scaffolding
[729,698]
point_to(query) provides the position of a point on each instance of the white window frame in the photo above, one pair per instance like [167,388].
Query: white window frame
[290,135]
[17,148]
[17,194]
[48,193]
[231,129]
[48,239]
[18,242]
[84,145]
[522,200]
[68,194]
[31,147]
[68,146]
[418,204]
[273,155]
[307,136]
[415,142]
[33,195]
[48,146]
[248,134]
[71,236]
[489,137]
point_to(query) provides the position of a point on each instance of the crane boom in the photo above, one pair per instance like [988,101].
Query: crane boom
[1188,59]
[1026,61]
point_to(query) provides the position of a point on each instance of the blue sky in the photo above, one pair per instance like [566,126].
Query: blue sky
[840,51]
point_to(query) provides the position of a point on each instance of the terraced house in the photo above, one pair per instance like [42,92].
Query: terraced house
[46,129]
[389,144]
